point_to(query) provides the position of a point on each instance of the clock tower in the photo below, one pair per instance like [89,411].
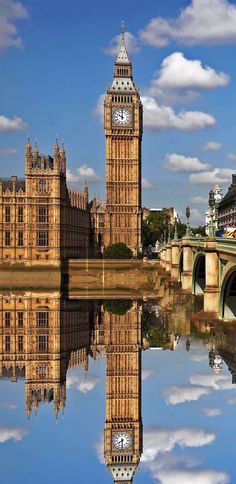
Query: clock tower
[123,132]
[123,427]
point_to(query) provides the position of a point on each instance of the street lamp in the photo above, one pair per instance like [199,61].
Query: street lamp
[176,230]
[188,233]
[211,205]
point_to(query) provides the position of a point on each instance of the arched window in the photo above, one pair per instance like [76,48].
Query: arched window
[42,186]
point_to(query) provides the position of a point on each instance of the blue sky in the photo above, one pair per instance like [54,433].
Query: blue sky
[56,60]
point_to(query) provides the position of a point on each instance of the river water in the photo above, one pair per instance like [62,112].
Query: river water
[109,390]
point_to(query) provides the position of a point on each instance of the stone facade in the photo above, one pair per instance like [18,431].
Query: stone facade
[227,207]
[41,219]
[123,132]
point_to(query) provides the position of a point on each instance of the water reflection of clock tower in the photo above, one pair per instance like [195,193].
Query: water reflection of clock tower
[123,131]
[123,428]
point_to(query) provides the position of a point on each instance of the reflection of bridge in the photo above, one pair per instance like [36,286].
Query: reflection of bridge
[205,266]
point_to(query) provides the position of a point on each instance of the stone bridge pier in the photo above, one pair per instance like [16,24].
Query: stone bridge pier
[211,292]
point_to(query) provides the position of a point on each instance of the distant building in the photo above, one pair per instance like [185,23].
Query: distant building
[212,212]
[227,207]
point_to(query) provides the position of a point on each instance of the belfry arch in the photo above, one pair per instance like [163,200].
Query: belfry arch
[199,274]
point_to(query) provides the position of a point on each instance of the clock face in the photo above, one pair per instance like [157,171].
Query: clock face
[122,440]
[121,116]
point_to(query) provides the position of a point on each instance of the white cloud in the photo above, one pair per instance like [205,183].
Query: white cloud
[83,173]
[184,393]
[14,124]
[211,412]
[161,118]
[10,12]
[231,157]
[99,108]
[197,217]
[182,164]
[198,357]
[208,22]
[146,373]
[82,383]
[196,76]
[211,380]
[8,406]
[195,476]
[14,433]
[8,152]
[216,176]
[231,400]
[212,146]
[158,440]
[146,183]
[131,44]
[198,200]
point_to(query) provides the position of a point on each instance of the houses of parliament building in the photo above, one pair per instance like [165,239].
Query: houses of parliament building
[43,220]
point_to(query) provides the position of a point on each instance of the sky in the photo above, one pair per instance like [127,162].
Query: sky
[56,62]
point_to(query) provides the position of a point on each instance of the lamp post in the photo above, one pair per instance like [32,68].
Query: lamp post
[188,232]
[176,230]
[169,238]
[211,205]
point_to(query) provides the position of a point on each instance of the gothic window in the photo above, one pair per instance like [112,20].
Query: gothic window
[20,215]
[42,371]
[7,215]
[42,215]
[7,319]
[42,342]
[20,343]
[42,238]
[7,238]
[20,317]
[42,186]
[7,343]
[42,319]
[20,238]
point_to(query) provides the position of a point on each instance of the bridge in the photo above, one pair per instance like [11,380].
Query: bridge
[207,266]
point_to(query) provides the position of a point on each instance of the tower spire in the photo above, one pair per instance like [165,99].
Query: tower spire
[123,57]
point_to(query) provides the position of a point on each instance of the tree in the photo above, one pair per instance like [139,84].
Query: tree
[199,230]
[117,251]
[117,306]
[154,227]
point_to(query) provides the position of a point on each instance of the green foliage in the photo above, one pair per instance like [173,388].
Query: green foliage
[199,230]
[154,227]
[181,229]
[157,337]
[117,251]
[117,306]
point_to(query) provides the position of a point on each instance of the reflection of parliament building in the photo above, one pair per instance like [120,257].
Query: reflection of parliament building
[41,219]
[42,336]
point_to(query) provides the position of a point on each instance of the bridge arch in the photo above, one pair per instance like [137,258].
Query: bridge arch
[228,293]
[199,274]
